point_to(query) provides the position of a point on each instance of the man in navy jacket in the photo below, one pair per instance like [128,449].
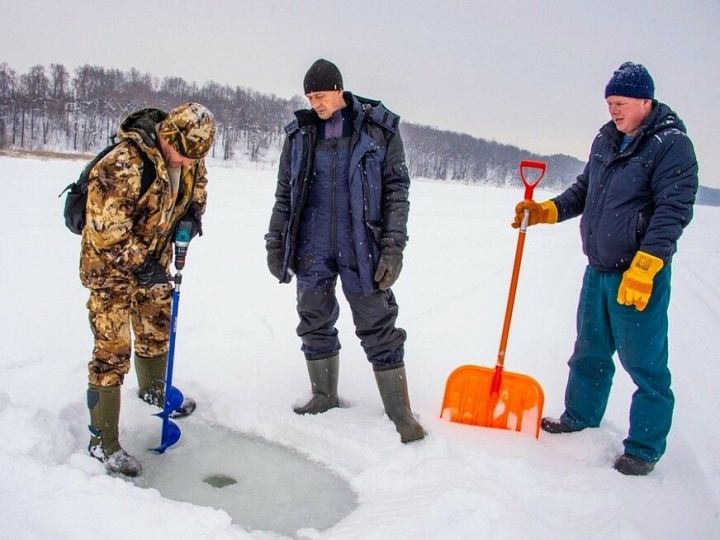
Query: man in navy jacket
[341,208]
[635,196]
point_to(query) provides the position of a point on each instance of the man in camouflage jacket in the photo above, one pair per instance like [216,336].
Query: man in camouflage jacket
[125,254]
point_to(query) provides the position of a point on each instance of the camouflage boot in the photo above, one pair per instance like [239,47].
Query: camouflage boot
[323,382]
[394,393]
[151,385]
[104,405]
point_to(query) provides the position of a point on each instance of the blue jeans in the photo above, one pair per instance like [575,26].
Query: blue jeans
[640,339]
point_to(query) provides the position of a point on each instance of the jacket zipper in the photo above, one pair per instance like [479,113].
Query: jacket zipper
[333,198]
[603,186]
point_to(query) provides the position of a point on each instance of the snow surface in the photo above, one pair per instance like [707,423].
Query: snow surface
[238,355]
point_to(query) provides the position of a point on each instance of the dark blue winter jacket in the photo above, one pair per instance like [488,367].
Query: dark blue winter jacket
[378,185]
[638,199]
[326,230]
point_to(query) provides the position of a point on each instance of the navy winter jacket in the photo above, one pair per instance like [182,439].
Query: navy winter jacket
[638,199]
[378,185]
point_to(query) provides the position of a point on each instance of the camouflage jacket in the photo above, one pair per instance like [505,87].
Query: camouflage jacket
[124,226]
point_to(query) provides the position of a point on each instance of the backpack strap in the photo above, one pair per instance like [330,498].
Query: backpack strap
[76,200]
[146,180]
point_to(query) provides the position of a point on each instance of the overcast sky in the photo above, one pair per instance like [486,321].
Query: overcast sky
[524,72]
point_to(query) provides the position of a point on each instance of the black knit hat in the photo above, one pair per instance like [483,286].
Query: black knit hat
[631,80]
[322,75]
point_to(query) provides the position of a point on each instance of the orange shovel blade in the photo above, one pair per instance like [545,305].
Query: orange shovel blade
[517,405]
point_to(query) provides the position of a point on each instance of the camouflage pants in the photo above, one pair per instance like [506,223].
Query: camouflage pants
[112,312]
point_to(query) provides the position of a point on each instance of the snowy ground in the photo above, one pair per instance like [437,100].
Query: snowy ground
[238,355]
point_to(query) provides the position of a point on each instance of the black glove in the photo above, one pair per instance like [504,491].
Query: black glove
[194,216]
[151,272]
[389,266]
[274,256]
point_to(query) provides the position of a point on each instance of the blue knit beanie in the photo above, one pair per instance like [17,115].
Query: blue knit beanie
[631,80]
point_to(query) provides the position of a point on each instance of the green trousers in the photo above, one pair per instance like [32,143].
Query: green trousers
[641,342]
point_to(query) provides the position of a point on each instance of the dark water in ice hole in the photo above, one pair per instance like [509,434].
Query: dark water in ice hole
[260,484]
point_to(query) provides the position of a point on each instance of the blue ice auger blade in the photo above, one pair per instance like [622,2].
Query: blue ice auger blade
[173,400]
[170,434]
[170,431]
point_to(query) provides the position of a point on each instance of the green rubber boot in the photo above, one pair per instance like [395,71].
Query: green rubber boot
[324,382]
[104,406]
[151,384]
[394,393]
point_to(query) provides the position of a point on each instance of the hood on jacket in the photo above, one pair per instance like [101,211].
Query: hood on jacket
[661,117]
[140,126]
[360,106]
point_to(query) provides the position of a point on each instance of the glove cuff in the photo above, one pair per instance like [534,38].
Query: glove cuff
[550,211]
[390,242]
[272,242]
[150,262]
[647,264]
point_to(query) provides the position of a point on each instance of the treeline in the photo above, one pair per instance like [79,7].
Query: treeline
[446,155]
[78,112]
[53,109]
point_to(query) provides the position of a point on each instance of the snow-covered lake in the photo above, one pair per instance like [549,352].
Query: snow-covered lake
[238,355]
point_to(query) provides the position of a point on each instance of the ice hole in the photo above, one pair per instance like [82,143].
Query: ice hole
[220,480]
[260,484]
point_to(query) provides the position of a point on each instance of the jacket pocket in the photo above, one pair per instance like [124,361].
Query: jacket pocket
[376,229]
[614,240]
[640,228]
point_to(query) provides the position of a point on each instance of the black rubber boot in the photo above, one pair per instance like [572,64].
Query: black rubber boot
[104,406]
[630,465]
[394,393]
[554,426]
[324,382]
[151,385]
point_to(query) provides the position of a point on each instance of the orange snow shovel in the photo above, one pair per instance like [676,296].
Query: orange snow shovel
[492,397]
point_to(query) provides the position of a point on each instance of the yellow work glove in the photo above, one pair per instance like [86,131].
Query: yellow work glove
[637,282]
[545,212]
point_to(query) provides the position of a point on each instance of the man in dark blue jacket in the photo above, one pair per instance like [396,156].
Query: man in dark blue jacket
[341,209]
[635,196]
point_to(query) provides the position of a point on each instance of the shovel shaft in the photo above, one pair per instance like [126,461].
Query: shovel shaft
[511,294]
[530,185]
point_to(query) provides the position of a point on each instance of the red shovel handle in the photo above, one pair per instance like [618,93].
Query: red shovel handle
[530,186]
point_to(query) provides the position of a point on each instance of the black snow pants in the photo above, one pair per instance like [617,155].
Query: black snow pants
[326,251]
